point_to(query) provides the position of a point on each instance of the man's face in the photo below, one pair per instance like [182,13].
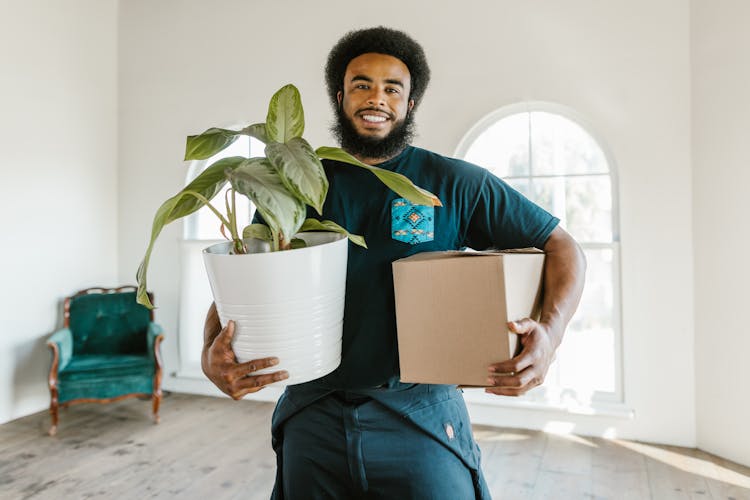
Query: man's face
[374,121]
[376,94]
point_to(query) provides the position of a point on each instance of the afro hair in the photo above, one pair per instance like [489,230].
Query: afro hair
[380,40]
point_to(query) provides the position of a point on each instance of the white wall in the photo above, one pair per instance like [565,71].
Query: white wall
[721,174]
[625,65]
[58,138]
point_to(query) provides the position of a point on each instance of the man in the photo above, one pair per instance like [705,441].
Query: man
[359,432]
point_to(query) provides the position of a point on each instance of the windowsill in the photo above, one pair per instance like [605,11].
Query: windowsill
[594,408]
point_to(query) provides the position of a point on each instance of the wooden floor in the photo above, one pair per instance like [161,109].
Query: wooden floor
[114,451]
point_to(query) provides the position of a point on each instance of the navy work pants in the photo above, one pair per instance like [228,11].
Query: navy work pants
[346,446]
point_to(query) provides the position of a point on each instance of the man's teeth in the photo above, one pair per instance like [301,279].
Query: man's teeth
[373,118]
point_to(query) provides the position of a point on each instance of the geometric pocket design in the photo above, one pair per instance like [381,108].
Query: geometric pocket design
[412,223]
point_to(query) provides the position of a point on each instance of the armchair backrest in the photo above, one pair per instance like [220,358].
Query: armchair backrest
[107,321]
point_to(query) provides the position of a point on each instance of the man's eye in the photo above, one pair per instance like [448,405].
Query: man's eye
[362,86]
[393,91]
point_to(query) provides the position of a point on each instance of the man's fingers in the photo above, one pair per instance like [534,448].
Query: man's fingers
[505,391]
[248,367]
[255,383]
[522,326]
[513,365]
[527,378]
[234,371]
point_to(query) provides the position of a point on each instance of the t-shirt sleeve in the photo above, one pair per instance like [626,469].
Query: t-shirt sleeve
[503,218]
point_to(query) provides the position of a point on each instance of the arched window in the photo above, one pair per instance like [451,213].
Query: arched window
[200,230]
[547,152]
[204,225]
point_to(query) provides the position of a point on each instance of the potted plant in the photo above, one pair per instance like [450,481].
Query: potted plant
[282,281]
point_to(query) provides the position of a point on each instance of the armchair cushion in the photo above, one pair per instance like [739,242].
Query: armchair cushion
[104,376]
[107,366]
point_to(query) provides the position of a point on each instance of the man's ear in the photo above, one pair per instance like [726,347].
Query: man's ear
[411,104]
[339,97]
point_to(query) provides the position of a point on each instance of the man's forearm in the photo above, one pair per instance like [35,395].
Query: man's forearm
[564,275]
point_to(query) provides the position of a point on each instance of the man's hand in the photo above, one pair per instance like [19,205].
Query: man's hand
[220,364]
[527,370]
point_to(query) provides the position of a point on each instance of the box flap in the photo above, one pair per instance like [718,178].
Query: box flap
[447,254]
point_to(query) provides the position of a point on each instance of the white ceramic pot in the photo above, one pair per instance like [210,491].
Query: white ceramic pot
[286,304]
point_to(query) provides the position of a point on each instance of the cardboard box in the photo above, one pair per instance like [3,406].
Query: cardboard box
[452,310]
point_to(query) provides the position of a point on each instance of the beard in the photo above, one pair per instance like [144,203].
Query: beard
[372,147]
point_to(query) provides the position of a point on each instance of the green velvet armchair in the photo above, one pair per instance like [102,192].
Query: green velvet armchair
[108,350]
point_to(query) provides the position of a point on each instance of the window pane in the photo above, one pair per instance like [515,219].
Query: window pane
[205,225]
[560,146]
[586,358]
[503,148]
[583,204]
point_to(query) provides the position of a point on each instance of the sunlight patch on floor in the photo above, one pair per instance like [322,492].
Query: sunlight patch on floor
[492,435]
[689,464]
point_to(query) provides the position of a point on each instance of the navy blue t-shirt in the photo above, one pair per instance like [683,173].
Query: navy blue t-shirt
[479,211]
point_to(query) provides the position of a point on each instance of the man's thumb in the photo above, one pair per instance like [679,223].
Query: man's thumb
[227,334]
[523,326]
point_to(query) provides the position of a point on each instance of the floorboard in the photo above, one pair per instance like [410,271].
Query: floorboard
[214,449]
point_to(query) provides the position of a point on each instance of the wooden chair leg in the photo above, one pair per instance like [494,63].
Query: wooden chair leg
[156,400]
[53,391]
[156,397]
[53,410]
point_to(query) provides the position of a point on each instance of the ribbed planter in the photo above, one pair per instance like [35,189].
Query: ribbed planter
[287,304]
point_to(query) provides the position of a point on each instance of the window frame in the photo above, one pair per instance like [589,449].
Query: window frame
[598,398]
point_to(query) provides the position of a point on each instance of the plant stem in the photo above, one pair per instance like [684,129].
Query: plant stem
[283,244]
[208,204]
[237,244]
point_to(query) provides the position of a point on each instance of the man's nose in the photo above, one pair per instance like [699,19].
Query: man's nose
[376,97]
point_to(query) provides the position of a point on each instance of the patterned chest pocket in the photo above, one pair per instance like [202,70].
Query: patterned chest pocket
[412,223]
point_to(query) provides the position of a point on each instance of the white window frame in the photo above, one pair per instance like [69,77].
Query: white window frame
[603,403]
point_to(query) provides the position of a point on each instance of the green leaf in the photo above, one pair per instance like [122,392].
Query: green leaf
[257,231]
[397,182]
[257,179]
[327,225]
[300,170]
[298,243]
[257,130]
[210,142]
[286,118]
[207,184]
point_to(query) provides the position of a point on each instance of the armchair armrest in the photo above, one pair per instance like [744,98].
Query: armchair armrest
[154,336]
[152,333]
[61,343]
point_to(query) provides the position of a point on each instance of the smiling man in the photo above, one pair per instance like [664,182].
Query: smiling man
[359,432]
